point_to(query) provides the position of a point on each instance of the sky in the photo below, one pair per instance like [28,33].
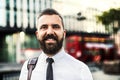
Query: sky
[103,5]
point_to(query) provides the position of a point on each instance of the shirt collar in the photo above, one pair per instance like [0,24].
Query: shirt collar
[59,55]
[56,57]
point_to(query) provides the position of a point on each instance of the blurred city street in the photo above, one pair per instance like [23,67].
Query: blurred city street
[92,34]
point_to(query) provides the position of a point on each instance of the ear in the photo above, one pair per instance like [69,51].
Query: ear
[64,34]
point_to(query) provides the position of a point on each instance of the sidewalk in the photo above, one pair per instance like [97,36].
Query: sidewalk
[100,75]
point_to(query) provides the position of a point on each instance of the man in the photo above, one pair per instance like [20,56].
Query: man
[50,34]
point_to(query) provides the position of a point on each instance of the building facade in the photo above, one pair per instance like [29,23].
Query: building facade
[18,20]
[17,26]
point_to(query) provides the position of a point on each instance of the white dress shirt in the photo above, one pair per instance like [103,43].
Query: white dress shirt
[65,67]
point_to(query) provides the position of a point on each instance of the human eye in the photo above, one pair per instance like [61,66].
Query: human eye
[56,26]
[44,27]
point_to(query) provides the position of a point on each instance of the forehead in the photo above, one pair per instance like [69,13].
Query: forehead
[49,19]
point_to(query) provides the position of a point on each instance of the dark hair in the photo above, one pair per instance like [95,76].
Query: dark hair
[50,11]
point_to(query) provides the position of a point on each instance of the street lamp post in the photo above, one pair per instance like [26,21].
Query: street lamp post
[79,17]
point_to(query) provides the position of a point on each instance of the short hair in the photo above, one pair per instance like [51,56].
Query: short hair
[50,11]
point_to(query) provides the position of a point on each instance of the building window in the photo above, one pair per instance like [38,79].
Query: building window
[2,17]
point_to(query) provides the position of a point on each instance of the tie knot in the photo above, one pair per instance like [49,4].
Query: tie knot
[50,60]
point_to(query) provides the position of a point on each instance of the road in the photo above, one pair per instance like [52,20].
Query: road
[100,75]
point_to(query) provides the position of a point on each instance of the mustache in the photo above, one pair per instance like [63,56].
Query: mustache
[50,37]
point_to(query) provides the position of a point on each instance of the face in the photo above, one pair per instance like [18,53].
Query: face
[50,33]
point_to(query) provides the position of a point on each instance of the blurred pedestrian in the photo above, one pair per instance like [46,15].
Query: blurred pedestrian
[50,34]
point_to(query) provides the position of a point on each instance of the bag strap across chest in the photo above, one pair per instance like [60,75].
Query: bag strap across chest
[30,66]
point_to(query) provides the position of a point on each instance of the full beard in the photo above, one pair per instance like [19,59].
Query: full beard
[51,48]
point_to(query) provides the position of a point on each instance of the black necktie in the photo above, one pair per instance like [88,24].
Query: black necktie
[49,73]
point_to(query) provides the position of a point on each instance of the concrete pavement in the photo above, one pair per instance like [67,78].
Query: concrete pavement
[100,75]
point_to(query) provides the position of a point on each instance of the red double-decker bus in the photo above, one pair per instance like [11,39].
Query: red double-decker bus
[89,48]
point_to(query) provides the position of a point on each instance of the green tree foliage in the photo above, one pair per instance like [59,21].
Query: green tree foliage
[109,17]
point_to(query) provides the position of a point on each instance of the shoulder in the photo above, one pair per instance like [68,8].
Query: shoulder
[24,71]
[79,67]
[75,61]
[24,67]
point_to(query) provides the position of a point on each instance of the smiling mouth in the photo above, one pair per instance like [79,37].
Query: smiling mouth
[50,41]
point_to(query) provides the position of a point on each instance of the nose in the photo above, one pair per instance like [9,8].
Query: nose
[50,30]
